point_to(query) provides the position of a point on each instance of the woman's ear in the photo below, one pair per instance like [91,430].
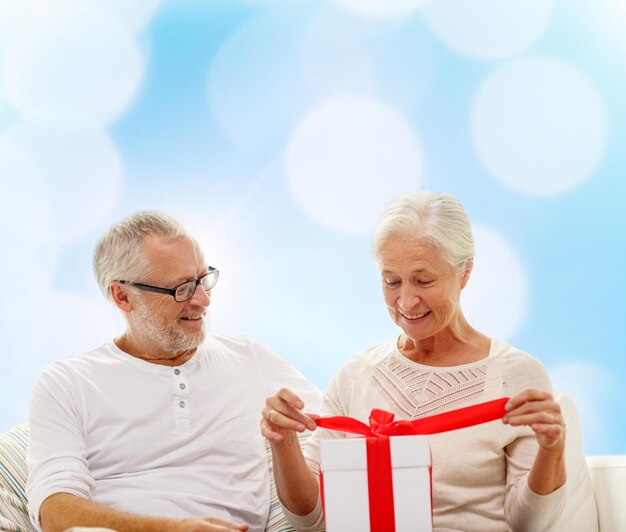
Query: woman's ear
[467,271]
[119,294]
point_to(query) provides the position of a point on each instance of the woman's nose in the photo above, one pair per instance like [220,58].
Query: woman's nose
[408,298]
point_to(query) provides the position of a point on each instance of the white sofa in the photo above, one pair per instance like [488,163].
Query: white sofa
[595,482]
[608,474]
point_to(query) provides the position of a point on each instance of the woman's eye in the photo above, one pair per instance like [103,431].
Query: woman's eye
[391,282]
[424,282]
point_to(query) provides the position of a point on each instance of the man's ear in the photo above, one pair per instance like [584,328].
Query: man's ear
[469,266]
[119,294]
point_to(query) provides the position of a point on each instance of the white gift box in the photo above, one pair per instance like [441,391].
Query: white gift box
[343,463]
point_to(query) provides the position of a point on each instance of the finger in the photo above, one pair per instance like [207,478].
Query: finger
[287,396]
[549,436]
[291,419]
[526,396]
[268,432]
[542,417]
[547,412]
[275,407]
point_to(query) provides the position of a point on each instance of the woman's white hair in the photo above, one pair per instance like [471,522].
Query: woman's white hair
[119,253]
[433,216]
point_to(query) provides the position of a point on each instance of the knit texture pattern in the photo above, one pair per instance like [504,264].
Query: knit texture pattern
[414,392]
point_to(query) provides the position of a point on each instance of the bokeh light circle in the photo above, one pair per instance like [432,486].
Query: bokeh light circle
[135,15]
[74,63]
[495,298]
[25,209]
[339,53]
[82,168]
[272,3]
[257,103]
[590,386]
[382,9]
[539,125]
[348,157]
[94,322]
[488,29]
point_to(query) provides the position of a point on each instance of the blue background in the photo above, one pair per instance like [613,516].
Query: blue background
[277,130]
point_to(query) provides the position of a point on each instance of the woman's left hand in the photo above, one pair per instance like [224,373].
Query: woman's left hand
[538,410]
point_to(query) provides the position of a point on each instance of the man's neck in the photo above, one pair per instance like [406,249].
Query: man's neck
[153,354]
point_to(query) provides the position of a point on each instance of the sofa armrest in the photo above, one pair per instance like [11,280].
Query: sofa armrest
[608,474]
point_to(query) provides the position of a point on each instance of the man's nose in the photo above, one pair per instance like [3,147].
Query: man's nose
[201,297]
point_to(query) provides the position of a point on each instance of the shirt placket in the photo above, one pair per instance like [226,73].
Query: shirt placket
[181,401]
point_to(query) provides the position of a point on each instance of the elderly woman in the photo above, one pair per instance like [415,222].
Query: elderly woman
[491,477]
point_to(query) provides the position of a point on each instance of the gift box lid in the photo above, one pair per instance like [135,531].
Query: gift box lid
[349,454]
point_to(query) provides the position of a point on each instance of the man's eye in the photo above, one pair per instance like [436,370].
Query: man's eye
[424,282]
[391,282]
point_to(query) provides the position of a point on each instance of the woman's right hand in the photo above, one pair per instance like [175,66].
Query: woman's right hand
[283,415]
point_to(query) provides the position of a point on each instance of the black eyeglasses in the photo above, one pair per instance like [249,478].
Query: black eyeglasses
[183,291]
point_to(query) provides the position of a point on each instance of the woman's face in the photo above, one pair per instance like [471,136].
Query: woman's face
[421,289]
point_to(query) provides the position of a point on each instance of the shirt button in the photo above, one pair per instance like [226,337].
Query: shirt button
[181,404]
[182,386]
[176,371]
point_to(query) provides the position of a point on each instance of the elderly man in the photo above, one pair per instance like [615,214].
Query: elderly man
[158,428]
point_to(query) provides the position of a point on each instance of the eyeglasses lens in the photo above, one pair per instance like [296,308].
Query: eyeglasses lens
[209,280]
[185,291]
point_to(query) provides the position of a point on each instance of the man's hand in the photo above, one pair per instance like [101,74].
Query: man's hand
[63,510]
[283,415]
[211,524]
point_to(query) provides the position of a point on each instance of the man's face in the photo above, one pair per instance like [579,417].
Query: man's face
[158,322]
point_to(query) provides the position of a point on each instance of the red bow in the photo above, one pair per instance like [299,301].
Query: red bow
[382,425]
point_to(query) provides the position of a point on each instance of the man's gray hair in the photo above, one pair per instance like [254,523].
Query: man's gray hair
[119,254]
[436,217]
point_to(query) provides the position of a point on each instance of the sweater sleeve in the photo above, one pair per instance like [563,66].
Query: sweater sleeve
[277,373]
[524,509]
[314,521]
[56,453]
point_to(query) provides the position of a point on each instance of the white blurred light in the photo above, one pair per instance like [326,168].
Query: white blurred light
[494,299]
[489,29]
[135,14]
[378,8]
[82,169]
[270,3]
[539,125]
[72,63]
[257,102]
[12,13]
[347,158]
[335,58]
[341,54]
[590,386]
[25,326]
[80,324]
[226,297]
[25,209]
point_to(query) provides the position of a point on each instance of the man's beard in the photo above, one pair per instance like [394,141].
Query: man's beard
[165,335]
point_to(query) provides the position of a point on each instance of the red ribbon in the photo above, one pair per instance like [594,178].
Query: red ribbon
[382,425]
